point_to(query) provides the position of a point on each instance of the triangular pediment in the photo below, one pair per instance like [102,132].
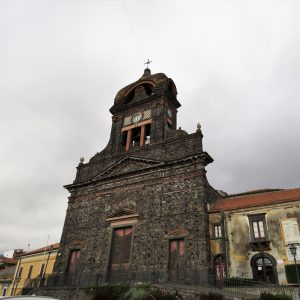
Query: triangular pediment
[122,213]
[128,165]
[123,216]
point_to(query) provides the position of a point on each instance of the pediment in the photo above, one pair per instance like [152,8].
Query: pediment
[123,216]
[127,165]
[123,212]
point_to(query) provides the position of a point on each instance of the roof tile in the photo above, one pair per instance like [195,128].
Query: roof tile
[257,199]
[47,248]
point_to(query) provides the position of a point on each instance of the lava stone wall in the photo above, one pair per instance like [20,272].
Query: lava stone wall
[163,184]
[170,200]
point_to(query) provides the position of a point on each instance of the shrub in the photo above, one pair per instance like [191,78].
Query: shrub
[136,293]
[102,295]
[211,296]
[110,291]
[268,296]
[125,292]
[161,295]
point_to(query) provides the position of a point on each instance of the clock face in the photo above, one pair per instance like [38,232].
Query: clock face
[169,113]
[137,117]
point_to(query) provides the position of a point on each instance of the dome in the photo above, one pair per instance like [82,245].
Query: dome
[150,83]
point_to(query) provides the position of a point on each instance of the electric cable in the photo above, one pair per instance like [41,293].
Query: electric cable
[53,122]
[134,32]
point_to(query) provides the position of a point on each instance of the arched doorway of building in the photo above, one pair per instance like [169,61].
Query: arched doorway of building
[219,269]
[264,268]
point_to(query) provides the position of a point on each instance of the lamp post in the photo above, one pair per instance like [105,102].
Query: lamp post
[293,250]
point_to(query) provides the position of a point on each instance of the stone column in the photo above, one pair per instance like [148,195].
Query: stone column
[142,139]
[128,139]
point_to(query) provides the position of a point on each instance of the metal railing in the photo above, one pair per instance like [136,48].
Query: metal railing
[199,284]
[245,288]
[31,284]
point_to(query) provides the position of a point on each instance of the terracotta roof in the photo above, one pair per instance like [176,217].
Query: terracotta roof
[8,272]
[8,260]
[40,250]
[256,199]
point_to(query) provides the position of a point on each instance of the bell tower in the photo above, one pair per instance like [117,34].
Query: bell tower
[143,112]
[137,210]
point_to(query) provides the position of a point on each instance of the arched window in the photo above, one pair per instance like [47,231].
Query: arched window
[147,89]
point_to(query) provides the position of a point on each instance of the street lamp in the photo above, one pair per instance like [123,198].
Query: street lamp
[293,250]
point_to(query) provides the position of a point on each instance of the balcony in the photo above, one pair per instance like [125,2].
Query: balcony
[260,245]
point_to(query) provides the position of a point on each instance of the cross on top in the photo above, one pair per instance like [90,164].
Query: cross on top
[148,62]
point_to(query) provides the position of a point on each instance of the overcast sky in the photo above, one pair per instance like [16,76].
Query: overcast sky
[236,65]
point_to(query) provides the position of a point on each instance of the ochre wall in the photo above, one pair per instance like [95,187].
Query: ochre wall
[240,252]
[35,260]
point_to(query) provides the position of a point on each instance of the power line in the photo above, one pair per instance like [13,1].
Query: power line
[134,32]
[53,122]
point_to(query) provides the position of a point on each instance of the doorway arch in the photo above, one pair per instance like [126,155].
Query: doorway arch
[264,268]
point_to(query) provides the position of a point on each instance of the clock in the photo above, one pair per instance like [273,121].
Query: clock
[169,113]
[137,117]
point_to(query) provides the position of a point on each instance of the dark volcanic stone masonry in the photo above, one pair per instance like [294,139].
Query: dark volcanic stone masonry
[138,209]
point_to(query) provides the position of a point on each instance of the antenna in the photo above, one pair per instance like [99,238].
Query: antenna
[45,250]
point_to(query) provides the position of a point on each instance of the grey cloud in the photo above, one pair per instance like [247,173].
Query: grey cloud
[235,65]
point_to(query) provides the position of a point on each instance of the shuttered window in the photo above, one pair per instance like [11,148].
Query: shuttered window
[30,272]
[258,227]
[217,231]
[120,249]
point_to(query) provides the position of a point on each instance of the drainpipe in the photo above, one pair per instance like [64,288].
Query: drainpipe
[49,253]
[45,251]
[15,277]
[223,217]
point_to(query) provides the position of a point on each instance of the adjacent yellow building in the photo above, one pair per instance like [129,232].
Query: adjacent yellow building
[7,271]
[32,270]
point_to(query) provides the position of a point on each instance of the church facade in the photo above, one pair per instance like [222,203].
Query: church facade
[138,209]
[142,209]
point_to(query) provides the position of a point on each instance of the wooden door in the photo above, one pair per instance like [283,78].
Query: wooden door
[73,261]
[73,266]
[220,270]
[120,254]
[176,260]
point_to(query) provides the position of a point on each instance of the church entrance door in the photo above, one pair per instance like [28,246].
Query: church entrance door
[120,254]
[176,260]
